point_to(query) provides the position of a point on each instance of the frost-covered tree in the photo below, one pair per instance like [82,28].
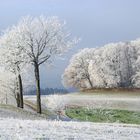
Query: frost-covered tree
[113,54]
[8,90]
[13,59]
[77,73]
[96,69]
[117,65]
[8,86]
[136,63]
[41,39]
[112,66]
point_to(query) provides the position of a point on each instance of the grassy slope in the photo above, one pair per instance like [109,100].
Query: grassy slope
[104,115]
[9,111]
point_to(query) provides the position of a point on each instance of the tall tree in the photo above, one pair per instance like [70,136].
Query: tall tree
[77,73]
[42,39]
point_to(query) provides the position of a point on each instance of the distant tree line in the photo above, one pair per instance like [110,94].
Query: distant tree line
[46,91]
[115,65]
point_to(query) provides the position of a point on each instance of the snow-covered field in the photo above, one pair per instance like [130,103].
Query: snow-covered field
[15,129]
[18,129]
[128,101]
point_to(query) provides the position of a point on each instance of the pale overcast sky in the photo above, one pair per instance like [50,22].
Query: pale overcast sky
[96,22]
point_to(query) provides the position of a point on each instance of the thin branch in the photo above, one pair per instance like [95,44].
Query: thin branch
[45,58]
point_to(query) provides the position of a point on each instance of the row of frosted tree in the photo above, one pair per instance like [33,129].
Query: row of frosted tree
[24,48]
[115,65]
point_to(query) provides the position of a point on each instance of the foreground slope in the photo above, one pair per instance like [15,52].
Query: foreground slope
[56,130]
[9,111]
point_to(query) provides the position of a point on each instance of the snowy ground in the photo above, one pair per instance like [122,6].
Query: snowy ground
[14,129]
[7,111]
[116,101]
[18,129]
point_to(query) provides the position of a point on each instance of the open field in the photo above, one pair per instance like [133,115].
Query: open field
[107,100]
[22,127]
[110,100]
[118,106]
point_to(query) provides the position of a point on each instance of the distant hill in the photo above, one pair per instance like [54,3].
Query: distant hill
[46,91]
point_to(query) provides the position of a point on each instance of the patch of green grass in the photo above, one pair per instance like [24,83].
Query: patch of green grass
[104,115]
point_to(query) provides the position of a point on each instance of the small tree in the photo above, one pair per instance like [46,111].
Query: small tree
[13,60]
[8,86]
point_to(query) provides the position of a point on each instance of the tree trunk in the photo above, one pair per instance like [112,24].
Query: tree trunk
[20,91]
[38,93]
[6,99]
[91,85]
[18,100]
[17,95]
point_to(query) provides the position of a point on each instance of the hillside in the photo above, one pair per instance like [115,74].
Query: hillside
[8,111]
